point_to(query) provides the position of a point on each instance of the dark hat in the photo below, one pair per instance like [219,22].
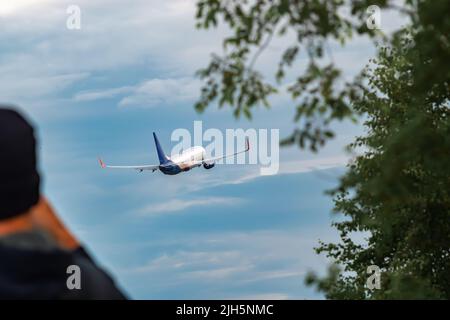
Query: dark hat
[19,179]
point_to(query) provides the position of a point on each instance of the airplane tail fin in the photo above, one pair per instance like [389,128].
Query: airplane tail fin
[161,155]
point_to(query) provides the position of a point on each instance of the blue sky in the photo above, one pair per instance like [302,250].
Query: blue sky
[102,90]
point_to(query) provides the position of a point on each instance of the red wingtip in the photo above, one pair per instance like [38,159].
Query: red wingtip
[102,164]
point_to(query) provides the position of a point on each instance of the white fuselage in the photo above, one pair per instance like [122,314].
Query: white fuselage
[189,158]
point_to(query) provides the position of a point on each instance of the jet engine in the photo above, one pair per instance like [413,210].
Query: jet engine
[209,165]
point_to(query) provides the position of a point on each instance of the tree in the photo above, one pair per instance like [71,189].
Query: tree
[397,191]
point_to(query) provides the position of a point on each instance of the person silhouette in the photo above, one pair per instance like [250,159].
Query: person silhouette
[39,256]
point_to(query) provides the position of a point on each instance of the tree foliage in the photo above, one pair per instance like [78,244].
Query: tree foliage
[397,191]
[320,93]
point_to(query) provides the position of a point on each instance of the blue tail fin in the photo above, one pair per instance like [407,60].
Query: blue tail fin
[162,157]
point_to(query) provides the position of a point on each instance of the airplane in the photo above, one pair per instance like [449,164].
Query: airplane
[185,161]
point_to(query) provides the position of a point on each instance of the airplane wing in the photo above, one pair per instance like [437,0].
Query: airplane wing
[247,147]
[153,168]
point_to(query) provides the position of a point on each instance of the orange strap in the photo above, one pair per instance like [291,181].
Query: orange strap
[44,216]
[16,224]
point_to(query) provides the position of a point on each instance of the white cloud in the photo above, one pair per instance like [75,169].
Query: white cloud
[218,273]
[236,264]
[158,36]
[150,93]
[295,167]
[101,94]
[35,87]
[263,296]
[12,7]
[114,35]
[176,205]
[292,167]
[163,92]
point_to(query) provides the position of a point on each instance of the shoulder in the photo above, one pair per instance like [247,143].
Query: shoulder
[95,283]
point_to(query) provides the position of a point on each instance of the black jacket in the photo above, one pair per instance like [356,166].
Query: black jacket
[38,274]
